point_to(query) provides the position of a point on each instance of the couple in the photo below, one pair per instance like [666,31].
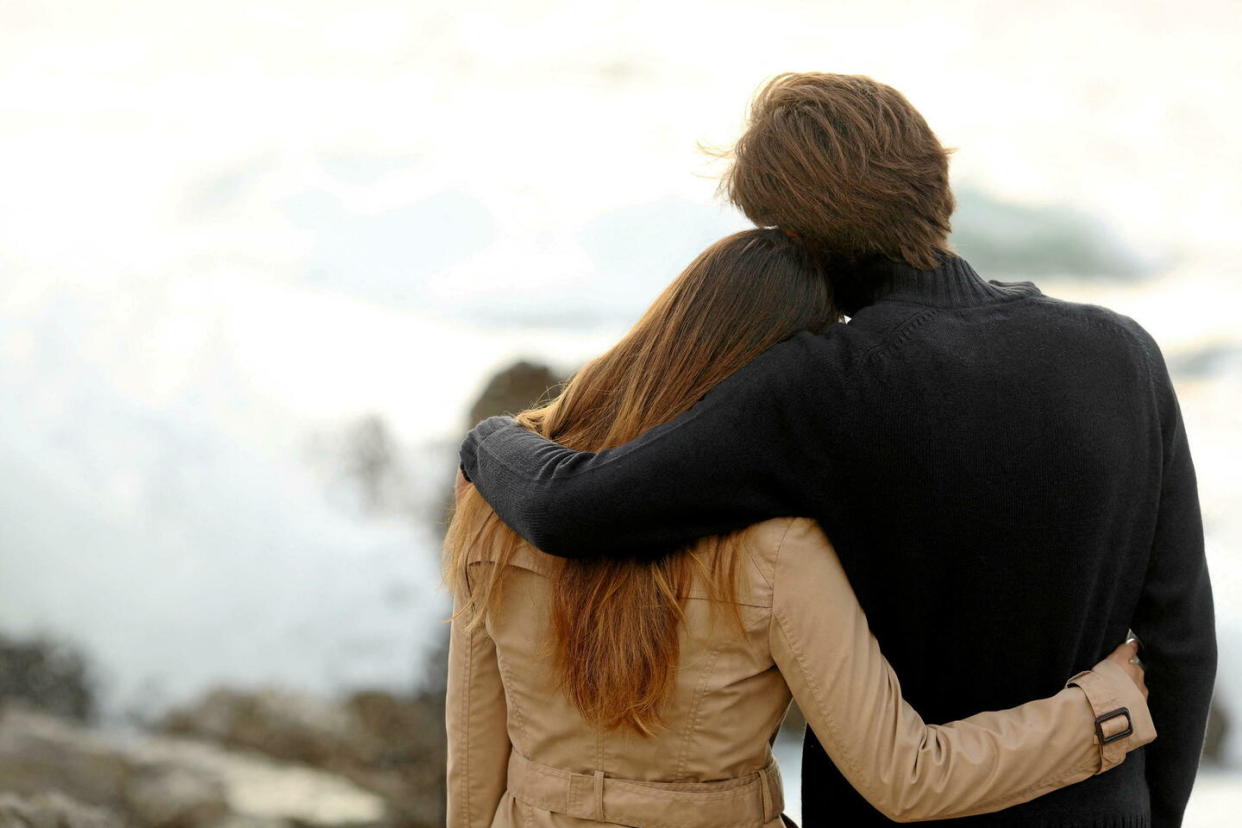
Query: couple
[646,569]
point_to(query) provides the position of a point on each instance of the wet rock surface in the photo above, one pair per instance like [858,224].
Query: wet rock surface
[515,388]
[52,810]
[48,674]
[390,746]
[56,772]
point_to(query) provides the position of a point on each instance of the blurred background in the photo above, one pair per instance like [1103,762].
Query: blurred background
[263,263]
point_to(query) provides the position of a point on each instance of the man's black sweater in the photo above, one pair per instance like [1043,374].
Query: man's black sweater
[1005,476]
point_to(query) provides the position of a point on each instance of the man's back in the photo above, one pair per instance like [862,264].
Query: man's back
[1001,516]
[1006,479]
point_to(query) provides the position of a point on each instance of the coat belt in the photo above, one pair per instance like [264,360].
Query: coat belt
[742,802]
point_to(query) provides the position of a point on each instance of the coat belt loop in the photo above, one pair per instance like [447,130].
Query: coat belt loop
[599,796]
[766,785]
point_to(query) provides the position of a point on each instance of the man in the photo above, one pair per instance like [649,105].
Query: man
[1001,472]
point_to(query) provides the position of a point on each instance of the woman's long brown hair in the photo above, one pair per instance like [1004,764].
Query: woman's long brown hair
[616,623]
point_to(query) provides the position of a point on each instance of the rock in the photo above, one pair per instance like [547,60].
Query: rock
[513,389]
[47,674]
[520,386]
[366,470]
[152,780]
[389,745]
[277,723]
[52,809]
[1007,238]
[171,794]
[260,790]
[408,764]
[39,753]
[1217,736]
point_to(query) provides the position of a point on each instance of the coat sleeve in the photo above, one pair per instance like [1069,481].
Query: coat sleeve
[1174,618]
[742,454]
[909,770]
[476,723]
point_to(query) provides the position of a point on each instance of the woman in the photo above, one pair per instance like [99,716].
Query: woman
[648,692]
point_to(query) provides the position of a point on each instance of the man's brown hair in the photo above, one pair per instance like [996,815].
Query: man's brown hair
[846,163]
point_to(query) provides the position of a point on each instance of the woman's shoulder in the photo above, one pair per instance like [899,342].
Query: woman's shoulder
[767,538]
[523,555]
[766,543]
[793,557]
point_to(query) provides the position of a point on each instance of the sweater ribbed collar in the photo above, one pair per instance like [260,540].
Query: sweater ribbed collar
[952,283]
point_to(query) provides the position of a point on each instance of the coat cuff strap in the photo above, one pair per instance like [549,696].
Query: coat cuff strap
[1122,720]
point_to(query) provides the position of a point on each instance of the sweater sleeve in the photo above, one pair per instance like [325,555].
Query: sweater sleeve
[1174,618]
[742,454]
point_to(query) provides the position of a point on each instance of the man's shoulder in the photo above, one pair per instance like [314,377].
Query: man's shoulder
[885,322]
[1098,314]
[1103,319]
[886,328]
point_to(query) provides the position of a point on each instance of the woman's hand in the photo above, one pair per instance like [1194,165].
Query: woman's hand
[1126,657]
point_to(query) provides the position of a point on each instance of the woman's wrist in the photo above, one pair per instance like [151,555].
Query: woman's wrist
[1122,721]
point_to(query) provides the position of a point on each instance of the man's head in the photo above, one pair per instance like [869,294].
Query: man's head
[847,163]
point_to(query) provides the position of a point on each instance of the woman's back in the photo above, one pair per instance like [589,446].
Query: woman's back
[522,754]
[723,676]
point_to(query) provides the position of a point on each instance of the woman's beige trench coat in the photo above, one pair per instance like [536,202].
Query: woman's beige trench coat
[520,755]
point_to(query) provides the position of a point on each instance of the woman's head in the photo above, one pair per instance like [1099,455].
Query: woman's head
[616,624]
[740,296]
[846,162]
